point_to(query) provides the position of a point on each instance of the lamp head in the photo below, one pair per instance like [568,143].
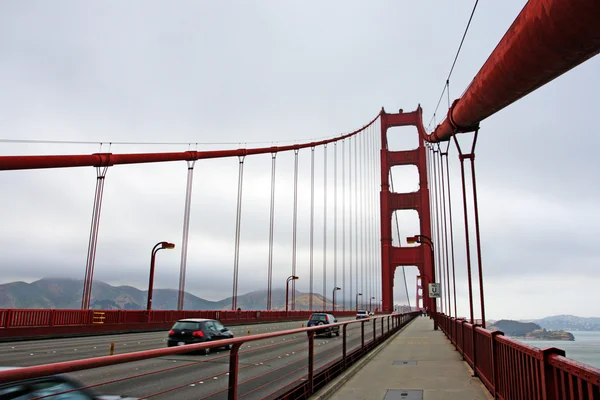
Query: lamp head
[413,239]
[167,245]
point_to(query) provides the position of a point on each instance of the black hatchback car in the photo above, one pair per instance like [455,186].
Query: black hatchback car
[324,319]
[197,330]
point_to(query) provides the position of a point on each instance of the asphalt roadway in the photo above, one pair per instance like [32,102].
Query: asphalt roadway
[265,366]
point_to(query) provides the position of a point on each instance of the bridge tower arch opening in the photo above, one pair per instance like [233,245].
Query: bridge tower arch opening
[391,201]
[404,223]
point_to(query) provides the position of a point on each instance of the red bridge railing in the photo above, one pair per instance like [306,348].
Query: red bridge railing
[43,322]
[513,370]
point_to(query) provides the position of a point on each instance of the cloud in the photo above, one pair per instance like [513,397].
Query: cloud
[198,73]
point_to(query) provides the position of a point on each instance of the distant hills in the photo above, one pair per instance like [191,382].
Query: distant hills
[529,330]
[569,323]
[66,294]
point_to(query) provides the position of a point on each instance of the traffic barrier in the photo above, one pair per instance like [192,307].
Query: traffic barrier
[34,323]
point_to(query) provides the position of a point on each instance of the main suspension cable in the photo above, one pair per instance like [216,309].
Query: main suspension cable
[447,82]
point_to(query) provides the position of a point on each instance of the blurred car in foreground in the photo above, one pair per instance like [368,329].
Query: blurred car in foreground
[50,387]
[198,330]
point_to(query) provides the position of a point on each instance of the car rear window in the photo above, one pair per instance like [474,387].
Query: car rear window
[186,325]
[318,317]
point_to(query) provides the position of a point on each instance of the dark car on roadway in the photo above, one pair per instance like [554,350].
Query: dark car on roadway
[52,387]
[198,330]
[362,314]
[317,319]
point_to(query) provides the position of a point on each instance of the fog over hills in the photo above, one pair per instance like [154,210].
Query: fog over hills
[66,294]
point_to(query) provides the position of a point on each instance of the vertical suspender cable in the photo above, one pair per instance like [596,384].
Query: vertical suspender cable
[352,299]
[356,205]
[431,205]
[335,189]
[362,216]
[93,240]
[451,234]
[445,227]
[312,224]
[271,229]
[294,228]
[442,243]
[238,220]
[325,227]
[369,197]
[466,218]
[436,237]
[344,297]
[186,230]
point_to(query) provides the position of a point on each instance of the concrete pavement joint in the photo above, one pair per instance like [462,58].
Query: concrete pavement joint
[337,383]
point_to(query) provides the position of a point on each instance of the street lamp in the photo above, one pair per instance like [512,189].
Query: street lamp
[155,249]
[334,290]
[371,304]
[429,242]
[357,294]
[287,288]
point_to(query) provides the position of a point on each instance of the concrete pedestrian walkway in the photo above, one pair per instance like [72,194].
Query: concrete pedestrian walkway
[417,363]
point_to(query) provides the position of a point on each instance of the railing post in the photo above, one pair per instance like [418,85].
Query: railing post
[374,330]
[362,336]
[474,340]
[344,345]
[233,371]
[311,358]
[382,332]
[462,338]
[549,384]
[495,363]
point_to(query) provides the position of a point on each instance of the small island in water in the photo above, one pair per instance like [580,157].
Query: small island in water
[528,330]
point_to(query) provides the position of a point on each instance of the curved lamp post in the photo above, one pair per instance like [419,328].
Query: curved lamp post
[335,289]
[287,288]
[157,247]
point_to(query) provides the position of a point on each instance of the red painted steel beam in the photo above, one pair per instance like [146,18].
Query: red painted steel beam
[109,159]
[547,39]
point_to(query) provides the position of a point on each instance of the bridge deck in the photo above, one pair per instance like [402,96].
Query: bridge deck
[439,371]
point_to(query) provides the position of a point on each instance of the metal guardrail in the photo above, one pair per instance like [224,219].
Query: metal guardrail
[32,323]
[20,318]
[513,370]
[301,388]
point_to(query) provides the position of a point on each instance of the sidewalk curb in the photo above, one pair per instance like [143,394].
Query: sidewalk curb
[337,383]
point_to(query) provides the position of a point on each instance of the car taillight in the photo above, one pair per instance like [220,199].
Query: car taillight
[171,332]
[198,334]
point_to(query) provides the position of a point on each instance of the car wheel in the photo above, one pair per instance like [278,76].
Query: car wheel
[337,333]
[230,346]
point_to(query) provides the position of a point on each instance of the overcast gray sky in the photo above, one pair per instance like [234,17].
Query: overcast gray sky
[274,71]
